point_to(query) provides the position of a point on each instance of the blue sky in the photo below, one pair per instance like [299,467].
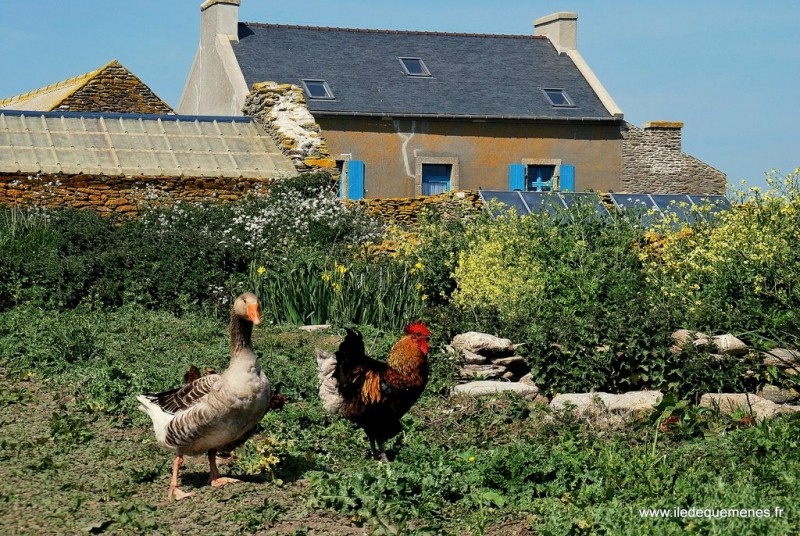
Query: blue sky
[729,69]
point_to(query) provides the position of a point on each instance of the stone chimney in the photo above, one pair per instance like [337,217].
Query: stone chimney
[560,28]
[219,17]
[666,133]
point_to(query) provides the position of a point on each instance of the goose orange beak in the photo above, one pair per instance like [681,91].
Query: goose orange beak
[253,314]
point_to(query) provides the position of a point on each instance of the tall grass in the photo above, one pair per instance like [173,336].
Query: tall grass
[314,290]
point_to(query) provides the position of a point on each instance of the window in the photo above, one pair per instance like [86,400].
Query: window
[539,178]
[436,178]
[558,97]
[541,175]
[317,89]
[414,67]
[435,174]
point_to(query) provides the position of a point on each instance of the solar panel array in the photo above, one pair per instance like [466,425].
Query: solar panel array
[650,209]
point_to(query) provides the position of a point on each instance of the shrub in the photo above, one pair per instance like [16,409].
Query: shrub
[739,275]
[573,291]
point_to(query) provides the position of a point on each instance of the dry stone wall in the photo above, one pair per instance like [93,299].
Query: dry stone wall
[407,210]
[652,162]
[120,195]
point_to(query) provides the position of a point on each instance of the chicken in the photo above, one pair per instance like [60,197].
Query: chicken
[374,394]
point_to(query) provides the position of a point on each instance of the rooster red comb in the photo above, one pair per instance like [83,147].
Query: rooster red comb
[418,328]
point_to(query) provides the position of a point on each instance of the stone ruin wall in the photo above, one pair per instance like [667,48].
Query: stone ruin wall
[281,110]
[652,162]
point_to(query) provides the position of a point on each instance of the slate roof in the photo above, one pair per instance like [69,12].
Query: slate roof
[473,75]
[108,144]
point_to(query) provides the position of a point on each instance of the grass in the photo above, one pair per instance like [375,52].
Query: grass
[76,457]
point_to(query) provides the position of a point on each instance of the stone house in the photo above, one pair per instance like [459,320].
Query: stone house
[408,113]
[111,88]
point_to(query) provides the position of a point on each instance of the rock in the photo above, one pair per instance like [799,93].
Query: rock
[315,327]
[483,388]
[527,380]
[472,358]
[729,345]
[682,337]
[623,403]
[781,357]
[482,343]
[775,394]
[482,372]
[732,402]
[513,361]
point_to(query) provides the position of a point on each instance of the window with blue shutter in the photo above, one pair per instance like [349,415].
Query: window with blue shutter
[355,179]
[539,178]
[436,178]
[516,177]
[566,183]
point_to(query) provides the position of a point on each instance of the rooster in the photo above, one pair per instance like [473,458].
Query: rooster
[374,394]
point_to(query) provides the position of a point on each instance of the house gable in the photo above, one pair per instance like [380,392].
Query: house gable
[111,88]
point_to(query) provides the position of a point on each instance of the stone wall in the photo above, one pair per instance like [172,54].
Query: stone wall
[115,89]
[281,110]
[652,162]
[120,195]
[406,210]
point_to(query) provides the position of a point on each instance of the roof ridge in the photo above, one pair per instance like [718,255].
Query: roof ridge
[82,78]
[388,32]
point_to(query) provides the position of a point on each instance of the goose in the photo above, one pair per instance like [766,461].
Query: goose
[212,411]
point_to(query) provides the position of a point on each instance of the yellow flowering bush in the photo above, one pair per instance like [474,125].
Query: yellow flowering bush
[742,273]
[499,270]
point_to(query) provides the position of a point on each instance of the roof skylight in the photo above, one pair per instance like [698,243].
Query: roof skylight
[558,97]
[414,67]
[317,89]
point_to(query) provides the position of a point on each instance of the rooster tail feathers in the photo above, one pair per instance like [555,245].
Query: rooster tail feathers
[328,385]
[350,351]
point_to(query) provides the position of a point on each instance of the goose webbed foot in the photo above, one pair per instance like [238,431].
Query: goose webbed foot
[213,476]
[174,491]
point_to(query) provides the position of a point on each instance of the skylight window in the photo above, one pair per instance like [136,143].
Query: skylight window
[317,89]
[414,67]
[558,97]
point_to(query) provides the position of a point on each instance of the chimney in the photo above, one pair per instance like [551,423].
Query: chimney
[219,17]
[665,133]
[560,28]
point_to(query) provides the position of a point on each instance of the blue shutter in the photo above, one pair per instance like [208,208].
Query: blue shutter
[516,177]
[567,179]
[355,179]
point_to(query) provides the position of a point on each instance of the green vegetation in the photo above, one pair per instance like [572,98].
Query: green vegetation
[94,311]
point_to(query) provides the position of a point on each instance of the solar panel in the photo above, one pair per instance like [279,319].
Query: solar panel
[716,203]
[508,199]
[638,206]
[544,202]
[649,209]
[676,208]
[586,199]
